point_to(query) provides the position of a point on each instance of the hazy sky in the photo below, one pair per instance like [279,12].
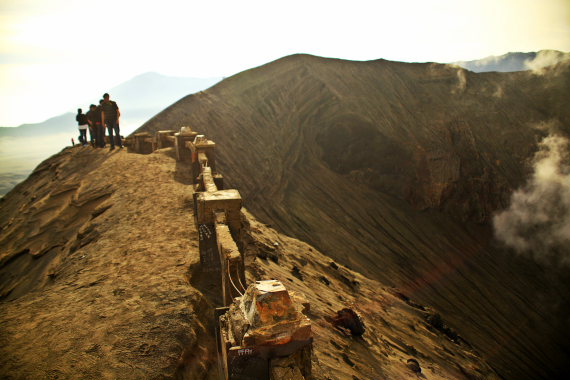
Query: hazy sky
[56,53]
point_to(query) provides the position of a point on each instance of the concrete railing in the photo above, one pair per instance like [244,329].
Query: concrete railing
[287,348]
[217,211]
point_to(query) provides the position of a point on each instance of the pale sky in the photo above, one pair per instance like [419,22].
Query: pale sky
[55,53]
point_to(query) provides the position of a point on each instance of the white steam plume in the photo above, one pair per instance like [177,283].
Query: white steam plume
[537,222]
[545,58]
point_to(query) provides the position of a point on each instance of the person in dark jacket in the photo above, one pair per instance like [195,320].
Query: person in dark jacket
[94,120]
[110,115]
[82,123]
[99,128]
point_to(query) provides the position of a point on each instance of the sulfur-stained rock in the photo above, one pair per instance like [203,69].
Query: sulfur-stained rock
[265,315]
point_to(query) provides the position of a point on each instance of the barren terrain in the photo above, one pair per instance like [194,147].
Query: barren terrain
[100,279]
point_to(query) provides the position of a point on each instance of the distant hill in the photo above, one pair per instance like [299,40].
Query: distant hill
[511,62]
[145,95]
[139,99]
[157,91]
[57,124]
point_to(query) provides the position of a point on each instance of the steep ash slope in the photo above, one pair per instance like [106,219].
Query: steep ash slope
[100,280]
[395,170]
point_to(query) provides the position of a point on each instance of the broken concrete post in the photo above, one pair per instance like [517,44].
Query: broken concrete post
[208,183]
[205,149]
[162,140]
[143,143]
[228,201]
[208,247]
[206,205]
[182,152]
[261,327]
[232,268]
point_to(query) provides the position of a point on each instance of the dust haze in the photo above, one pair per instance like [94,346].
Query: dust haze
[537,222]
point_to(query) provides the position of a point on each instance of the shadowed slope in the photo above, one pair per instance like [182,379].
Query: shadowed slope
[387,167]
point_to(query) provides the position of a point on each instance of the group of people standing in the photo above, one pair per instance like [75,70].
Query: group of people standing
[105,115]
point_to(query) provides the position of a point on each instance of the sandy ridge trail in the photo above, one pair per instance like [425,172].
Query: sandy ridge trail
[113,302]
[99,280]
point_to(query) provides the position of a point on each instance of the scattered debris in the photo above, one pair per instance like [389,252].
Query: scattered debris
[414,366]
[270,252]
[324,280]
[407,300]
[297,272]
[347,360]
[352,284]
[336,345]
[348,319]
[434,320]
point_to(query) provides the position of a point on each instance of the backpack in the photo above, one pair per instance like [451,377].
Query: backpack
[81,119]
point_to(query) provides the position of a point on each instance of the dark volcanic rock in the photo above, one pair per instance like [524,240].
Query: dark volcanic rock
[395,170]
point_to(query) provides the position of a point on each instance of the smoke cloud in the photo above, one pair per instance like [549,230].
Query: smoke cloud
[545,58]
[461,81]
[537,222]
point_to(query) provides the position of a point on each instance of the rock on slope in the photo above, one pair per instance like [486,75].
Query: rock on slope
[99,280]
[395,170]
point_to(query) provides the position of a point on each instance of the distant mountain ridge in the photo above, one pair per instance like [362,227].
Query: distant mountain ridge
[56,124]
[512,62]
[139,98]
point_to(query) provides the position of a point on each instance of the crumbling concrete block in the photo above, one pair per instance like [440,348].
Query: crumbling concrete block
[229,201]
[143,143]
[270,316]
[205,149]
[183,153]
[162,139]
[260,328]
[285,369]
[208,182]
[208,247]
[232,269]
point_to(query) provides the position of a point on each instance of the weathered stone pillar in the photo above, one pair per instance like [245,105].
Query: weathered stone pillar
[228,201]
[183,153]
[162,140]
[143,143]
[208,246]
[210,209]
[232,271]
[205,149]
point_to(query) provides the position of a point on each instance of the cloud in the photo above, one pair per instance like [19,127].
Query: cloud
[537,222]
